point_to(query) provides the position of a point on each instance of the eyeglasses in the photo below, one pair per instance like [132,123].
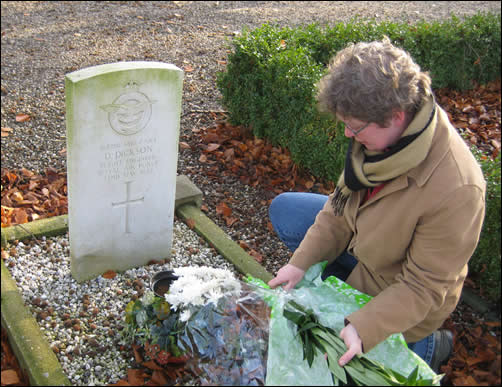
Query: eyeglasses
[356,132]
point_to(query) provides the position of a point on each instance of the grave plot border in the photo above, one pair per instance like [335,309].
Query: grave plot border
[27,340]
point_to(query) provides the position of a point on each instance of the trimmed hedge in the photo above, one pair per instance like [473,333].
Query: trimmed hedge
[270,86]
[486,260]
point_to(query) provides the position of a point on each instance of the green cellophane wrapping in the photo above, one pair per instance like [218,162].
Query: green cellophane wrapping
[331,300]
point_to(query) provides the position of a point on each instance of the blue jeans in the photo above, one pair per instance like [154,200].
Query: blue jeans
[292,214]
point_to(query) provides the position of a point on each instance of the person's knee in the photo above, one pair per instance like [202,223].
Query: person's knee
[278,205]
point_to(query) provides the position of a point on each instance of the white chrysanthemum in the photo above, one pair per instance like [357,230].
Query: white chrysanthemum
[197,286]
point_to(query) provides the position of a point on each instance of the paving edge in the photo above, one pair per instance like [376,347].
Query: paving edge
[32,350]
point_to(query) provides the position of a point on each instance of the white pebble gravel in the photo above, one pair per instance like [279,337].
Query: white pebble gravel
[82,322]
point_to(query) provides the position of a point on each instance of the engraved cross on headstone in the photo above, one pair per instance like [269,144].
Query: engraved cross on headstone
[126,203]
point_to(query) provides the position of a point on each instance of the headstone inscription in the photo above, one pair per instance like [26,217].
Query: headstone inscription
[122,122]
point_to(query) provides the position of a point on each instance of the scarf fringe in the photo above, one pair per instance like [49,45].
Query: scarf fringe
[339,201]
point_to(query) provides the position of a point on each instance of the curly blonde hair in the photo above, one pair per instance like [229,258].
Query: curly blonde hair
[368,81]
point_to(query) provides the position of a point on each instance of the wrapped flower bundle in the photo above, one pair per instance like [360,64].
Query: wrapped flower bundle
[228,332]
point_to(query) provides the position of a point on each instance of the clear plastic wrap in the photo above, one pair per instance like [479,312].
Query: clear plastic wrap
[227,342]
[245,340]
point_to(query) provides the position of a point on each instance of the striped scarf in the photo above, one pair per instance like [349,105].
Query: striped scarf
[368,169]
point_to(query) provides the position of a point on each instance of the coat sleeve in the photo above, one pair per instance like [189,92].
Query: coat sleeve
[436,260]
[326,239]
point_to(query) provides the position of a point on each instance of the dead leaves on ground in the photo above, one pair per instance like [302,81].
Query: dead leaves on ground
[148,377]
[475,112]
[6,131]
[11,372]
[227,149]
[21,117]
[150,373]
[476,354]
[232,150]
[224,210]
[27,196]
[109,274]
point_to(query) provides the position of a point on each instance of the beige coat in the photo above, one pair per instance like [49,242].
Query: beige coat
[413,240]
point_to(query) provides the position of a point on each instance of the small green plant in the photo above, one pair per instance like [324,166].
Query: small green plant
[149,323]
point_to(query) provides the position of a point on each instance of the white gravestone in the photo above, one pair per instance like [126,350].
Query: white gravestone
[122,147]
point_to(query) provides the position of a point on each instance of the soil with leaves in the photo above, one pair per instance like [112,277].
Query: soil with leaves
[238,174]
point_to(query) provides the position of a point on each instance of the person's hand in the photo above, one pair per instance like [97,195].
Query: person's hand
[352,341]
[288,274]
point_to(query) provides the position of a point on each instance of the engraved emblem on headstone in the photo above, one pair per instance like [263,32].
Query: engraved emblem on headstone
[126,203]
[130,112]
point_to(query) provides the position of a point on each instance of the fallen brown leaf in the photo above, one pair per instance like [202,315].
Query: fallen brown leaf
[20,216]
[9,377]
[137,355]
[223,209]
[152,365]
[109,274]
[22,117]
[159,378]
[6,131]
[256,255]
[135,377]
[229,220]
[121,383]
[212,147]
[244,245]
[190,223]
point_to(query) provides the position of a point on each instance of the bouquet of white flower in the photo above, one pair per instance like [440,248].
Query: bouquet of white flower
[199,286]
[226,326]
[207,318]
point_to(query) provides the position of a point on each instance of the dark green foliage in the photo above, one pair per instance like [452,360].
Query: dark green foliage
[320,146]
[165,334]
[269,85]
[458,52]
[487,258]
